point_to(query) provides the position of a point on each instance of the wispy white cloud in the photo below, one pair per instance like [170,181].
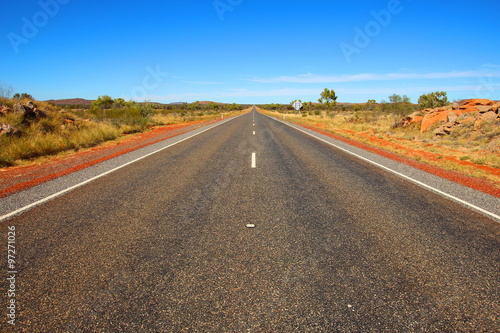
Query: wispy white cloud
[202,82]
[409,90]
[312,78]
[269,92]
[491,65]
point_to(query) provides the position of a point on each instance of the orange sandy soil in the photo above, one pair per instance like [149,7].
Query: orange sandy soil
[15,179]
[407,157]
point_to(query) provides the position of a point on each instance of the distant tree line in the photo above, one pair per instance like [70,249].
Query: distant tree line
[397,104]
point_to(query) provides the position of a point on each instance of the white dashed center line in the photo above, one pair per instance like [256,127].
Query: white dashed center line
[254,162]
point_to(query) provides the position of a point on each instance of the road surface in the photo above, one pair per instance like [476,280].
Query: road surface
[338,245]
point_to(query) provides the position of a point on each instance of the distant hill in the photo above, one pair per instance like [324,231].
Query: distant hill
[70,101]
[208,102]
[87,102]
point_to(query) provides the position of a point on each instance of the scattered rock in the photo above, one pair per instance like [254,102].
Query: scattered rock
[483,109]
[495,107]
[433,118]
[452,117]
[455,106]
[489,116]
[6,129]
[413,118]
[29,111]
[477,124]
[447,128]
[32,114]
[472,102]
[440,131]
[468,119]
[4,110]
[19,108]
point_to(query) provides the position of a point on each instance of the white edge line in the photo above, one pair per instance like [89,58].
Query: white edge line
[50,197]
[396,172]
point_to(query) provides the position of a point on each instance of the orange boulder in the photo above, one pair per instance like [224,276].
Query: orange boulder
[441,114]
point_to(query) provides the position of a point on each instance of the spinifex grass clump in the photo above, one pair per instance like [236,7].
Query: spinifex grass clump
[54,130]
[51,134]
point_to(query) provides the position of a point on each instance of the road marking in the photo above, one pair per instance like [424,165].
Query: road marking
[254,162]
[253,132]
[447,195]
[55,195]
[250,225]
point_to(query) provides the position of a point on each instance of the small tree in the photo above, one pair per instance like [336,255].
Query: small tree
[328,97]
[103,102]
[23,96]
[5,91]
[370,104]
[398,104]
[146,109]
[213,106]
[27,96]
[433,100]
[119,103]
[399,99]
[195,106]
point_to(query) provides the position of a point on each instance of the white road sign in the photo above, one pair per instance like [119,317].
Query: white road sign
[297,105]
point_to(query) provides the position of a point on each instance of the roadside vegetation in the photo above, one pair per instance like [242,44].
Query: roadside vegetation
[471,144]
[31,129]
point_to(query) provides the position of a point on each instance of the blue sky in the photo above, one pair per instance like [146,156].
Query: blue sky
[250,51]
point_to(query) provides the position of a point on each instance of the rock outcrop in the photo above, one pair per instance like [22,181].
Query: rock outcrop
[448,117]
[6,129]
[29,112]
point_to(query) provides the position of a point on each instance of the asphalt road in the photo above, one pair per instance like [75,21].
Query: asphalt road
[339,245]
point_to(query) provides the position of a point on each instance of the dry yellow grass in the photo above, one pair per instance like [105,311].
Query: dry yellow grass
[160,119]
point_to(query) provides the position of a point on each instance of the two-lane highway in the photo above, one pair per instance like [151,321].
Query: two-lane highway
[339,245]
